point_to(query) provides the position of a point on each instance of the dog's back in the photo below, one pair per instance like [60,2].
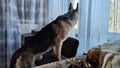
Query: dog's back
[42,39]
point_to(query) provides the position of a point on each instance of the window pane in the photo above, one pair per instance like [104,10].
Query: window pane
[114,21]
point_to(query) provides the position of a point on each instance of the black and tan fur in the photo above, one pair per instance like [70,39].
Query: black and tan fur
[95,57]
[51,35]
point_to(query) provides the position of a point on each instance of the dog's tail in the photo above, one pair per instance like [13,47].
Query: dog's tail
[14,58]
[13,61]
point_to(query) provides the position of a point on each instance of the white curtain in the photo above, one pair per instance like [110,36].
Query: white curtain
[17,16]
[56,8]
[59,7]
[93,23]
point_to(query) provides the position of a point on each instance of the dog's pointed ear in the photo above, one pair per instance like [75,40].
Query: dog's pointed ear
[77,7]
[70,7]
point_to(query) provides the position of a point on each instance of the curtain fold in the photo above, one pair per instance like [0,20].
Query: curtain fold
[93,23]
[15,17]
[3,33]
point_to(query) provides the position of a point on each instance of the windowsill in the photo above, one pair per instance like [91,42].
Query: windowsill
[112,36]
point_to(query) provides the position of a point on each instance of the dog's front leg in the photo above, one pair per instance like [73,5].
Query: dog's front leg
[57,49]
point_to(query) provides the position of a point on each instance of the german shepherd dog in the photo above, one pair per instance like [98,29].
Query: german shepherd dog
[52,35]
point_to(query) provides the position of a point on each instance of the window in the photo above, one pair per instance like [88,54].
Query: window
[114,21]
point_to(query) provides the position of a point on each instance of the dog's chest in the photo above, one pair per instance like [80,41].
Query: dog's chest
[63,30]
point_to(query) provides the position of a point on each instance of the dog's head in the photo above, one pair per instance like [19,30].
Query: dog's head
[72,14]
